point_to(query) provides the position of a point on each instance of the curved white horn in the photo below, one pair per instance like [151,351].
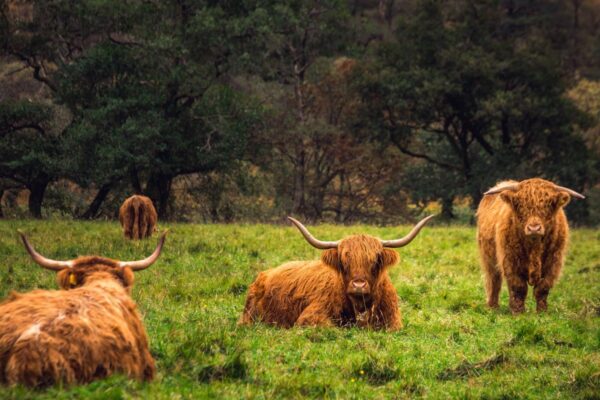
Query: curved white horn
[497,189]
[570,191]
[146,262]
[319,244]
[408,238]
[44,262]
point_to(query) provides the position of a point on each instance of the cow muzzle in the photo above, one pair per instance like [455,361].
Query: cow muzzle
[534,229]
[359,287]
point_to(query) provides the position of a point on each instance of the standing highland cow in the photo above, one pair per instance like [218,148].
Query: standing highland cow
[348,286]
[522,233]
[87,331]
[138,217]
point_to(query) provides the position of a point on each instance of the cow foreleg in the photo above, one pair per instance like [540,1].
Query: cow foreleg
[517,289]
[314,315]
[552,265]
[386,313]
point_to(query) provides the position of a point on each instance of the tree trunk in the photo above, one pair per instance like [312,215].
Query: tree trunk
[135,181]
[159,190]
[299,207]
[37,190]
[92,210]
[447,208]
[1,195]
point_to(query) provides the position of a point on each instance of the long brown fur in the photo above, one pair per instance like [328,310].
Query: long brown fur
[507,249]
[89,330]
[138,217]
[316,292]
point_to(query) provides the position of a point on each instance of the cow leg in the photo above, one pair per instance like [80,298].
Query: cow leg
[551,268]
[491,274]
[517,289]
[314,315]
[493,280]
[493,284]
[541,294]
[387,314]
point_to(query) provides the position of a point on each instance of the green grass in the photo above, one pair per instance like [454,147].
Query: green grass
[452,346]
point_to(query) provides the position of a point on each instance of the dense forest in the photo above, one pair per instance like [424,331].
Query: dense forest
[250,110]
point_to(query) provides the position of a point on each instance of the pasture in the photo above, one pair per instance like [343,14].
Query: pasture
[452,346]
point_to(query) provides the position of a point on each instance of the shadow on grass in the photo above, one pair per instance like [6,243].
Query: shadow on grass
[232,366]
[468,369]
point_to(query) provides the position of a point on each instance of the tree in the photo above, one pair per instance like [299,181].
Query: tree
[479,101]
[146,86]
[29,150]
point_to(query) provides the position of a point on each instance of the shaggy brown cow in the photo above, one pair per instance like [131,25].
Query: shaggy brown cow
[348,286]
[89,330]
[522,233]
[138,217]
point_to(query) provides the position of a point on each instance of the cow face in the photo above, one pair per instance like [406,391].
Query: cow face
[535,205]
[360,259]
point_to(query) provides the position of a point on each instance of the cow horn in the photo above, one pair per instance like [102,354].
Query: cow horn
[146,262]
[570,191]
[408,238]
[319,244]
[41,260]
[497,189]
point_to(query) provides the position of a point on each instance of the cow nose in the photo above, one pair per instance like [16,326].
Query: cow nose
[359,283]
[534,227]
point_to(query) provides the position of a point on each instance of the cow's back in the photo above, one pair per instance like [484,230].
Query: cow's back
[71,336]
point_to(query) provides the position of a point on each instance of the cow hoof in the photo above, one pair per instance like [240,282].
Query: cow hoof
[493,306]
[517,310]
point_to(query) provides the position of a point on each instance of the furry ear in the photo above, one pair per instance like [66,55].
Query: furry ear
[62,278]
[67,279]
[509,198]
[127,276]
[562,199]
[389,258]
[332,258]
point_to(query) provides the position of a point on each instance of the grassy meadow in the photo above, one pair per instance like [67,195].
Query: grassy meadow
[452,346]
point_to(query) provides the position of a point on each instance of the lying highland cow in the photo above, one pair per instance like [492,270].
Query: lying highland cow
[348,286]
[87,331]
[138,217]
[522,233]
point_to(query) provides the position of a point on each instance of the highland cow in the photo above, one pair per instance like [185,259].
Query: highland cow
[89,330]
[138,217]
[350,285]
[522,233]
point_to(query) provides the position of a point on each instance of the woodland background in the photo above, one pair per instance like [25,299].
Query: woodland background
[342,111]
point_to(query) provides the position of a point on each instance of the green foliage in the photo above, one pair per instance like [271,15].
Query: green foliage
[480,100]
[452,345]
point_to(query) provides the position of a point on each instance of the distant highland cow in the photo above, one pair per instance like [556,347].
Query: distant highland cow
[138,217]
[348,286]
[522,233]
[87,331]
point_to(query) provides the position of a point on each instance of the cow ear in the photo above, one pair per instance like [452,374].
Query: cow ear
[389,258]
[331,258]
[127,276]
[509,198]
[562,199]
[62,278]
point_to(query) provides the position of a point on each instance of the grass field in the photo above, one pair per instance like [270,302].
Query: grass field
[452,346]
